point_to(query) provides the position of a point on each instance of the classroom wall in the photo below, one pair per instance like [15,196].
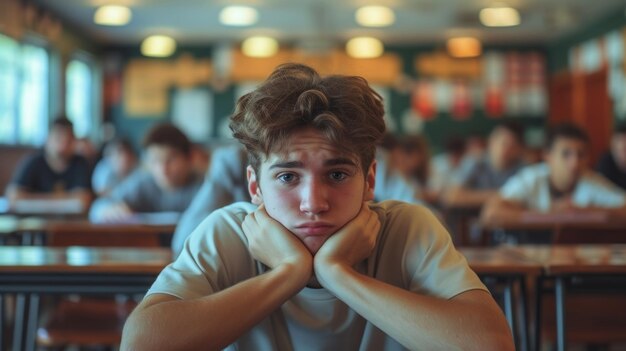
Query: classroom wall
[436,129]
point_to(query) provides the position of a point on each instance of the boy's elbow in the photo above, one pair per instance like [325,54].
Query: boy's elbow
[133,337]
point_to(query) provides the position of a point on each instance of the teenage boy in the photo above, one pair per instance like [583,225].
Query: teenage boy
[315,265]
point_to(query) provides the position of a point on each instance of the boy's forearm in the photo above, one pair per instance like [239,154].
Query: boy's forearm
[419,321]
[214,321]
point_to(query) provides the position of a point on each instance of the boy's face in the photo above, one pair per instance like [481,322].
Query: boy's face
[169,167]
[60,142]
[567,159]
[312,188]
[504,149]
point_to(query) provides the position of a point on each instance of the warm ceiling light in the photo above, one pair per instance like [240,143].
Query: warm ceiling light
[464,47]
[112,15]
[259,47]
[375,16]
[158,46]
[364,47]
[499,17]
[238,16]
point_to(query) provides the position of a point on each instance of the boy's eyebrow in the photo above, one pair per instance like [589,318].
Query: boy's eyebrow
[332,162]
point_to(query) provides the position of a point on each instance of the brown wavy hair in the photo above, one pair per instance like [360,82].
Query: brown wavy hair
[344,108]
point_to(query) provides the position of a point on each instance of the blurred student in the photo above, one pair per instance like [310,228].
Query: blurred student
[612,165]
[119,161]
[311,264]
[54,173]
[168,185]
[562,184]
[485,175]
[446,168]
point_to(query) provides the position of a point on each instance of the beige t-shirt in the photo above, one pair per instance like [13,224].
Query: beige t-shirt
[413,252]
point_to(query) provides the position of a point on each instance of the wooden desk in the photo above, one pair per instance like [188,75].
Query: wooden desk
[459,214]
[35,230]
[566,227]
[510,269]
[564,263]
[32,271]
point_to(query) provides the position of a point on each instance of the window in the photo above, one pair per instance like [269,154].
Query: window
[9,52]
[24,72]
[33,121]
[79,102]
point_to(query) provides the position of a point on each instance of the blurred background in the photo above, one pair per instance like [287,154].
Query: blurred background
[116,67]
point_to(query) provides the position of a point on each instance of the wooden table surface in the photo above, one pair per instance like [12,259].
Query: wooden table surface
[12,224]
[499,260]
[78,259]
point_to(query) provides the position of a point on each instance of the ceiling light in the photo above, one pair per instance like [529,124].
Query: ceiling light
[364,47]
[499,17]
[238,16]
[464,47]
[259,47]
[112,15]
[158,46]
[375,16]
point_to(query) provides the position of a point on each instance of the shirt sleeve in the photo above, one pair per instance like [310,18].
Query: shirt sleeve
[25,172]
[213,258]
[133,193]
[433,264]
[515,189]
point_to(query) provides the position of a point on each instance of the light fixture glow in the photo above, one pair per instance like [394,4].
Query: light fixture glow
[238,16]
[259,46]
[112,15]
[375,16]
[364,47]
[464,47]
[499,17]
[158,46]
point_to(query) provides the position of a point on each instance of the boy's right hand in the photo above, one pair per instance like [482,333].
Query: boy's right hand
[273,245]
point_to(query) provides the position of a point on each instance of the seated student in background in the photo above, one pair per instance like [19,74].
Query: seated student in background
[315,265]
[446,168]
[612,165]
[226,183]
[562,184]
[119,161]
[168,185]
[54,173]
[485,175]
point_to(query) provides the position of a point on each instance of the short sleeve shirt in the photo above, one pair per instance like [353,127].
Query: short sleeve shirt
[531,187]
[35,175]
[414,252]
[480,175]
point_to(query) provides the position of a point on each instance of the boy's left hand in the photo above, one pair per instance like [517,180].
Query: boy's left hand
[351,244]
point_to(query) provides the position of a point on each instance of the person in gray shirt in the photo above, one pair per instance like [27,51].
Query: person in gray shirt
[168,184]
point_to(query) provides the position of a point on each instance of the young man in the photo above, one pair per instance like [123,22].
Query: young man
[484,177]
[315,266]
[119,162]
[168,185]
[563,184]
[612,165]
[56,172]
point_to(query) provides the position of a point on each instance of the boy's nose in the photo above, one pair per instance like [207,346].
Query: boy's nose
[313,198]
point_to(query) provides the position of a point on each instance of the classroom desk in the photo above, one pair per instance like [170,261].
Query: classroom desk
[35,230]
[31,271]
[564,227]
[564,263]
[510,269]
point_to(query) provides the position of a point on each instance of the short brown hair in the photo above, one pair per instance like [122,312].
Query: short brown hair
[166,134]
[344,108]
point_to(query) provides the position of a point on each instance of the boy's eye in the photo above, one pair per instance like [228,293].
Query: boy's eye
[287,177]
[338,176]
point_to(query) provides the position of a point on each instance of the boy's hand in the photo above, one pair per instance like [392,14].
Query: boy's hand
[272,244]
[351,244]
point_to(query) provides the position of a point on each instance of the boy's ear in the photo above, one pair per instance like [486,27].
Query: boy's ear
[253,186]
[370,182]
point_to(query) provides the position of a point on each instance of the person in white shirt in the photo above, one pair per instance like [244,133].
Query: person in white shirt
[564,183]
[311,264]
